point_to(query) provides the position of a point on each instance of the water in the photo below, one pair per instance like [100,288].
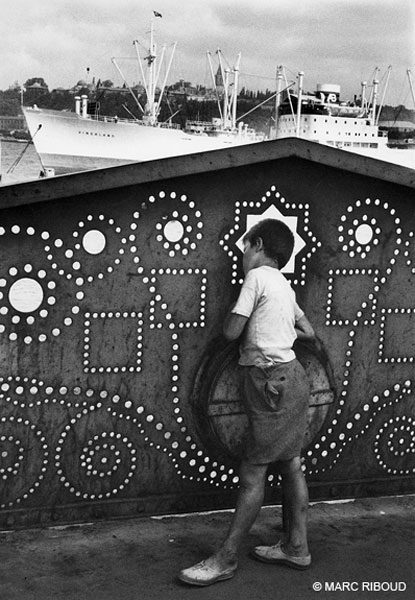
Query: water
[28,167]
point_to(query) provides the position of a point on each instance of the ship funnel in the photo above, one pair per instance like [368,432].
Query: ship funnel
[328,92]
[84,105]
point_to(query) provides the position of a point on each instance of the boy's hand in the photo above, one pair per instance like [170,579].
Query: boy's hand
[304,329]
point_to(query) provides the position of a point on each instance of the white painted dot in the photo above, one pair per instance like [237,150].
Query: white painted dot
[173,231]
[26,295]
[94,241]
[364,234]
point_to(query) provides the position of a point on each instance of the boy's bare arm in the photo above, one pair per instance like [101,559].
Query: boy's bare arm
[233,326]
[304,329]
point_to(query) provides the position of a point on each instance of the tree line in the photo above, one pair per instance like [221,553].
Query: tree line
[112,101]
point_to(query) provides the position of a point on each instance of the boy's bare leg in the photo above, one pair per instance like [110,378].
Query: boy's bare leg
[249,502]
[295,499]
[285,517]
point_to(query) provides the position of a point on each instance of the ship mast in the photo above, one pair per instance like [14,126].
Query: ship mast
[278,96]
[149,83]
[299,100]
[385,87]
[230,79]
[374,97]
[152,108]
[411,85]
[230,96]
[235,90]
[363,96]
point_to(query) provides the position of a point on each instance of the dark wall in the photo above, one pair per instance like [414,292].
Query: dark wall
[118,395]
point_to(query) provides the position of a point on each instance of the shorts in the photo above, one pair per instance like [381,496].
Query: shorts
[276,402]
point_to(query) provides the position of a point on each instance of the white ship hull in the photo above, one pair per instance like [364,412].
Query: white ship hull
[68,142]
[405,157]
[355,136]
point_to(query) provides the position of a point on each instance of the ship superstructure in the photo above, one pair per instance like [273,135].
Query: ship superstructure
[323,117]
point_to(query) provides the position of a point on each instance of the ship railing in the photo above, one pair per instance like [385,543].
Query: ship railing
[210,128]
[206,126]
[104,119]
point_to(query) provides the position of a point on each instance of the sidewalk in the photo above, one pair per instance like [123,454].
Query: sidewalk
[356,547]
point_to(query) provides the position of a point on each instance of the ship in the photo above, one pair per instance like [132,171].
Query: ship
[72,141]
[83,139]
[322,116]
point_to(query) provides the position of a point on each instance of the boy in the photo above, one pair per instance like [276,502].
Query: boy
[276,402]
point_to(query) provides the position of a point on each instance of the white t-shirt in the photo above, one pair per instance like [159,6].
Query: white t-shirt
[266,297]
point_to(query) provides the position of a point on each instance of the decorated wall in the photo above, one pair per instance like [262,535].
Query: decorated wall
[118,395]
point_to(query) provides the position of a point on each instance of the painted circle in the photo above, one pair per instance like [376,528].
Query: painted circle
[364,234]
[94,241]
[26,295]
[173,231]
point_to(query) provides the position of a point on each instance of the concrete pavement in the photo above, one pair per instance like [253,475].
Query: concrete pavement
[361,549]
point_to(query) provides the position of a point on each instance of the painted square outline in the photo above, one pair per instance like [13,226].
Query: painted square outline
[88,317]
[392,359]
[335,274]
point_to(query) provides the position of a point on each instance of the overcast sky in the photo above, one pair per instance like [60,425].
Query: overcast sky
[332,41]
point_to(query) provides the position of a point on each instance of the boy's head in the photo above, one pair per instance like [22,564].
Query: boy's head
[277,240]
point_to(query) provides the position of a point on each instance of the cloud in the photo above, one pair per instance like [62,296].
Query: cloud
[338,41]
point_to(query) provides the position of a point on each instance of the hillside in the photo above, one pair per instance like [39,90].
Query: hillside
[118,102]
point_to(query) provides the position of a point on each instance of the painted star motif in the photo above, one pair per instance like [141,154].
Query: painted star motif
[272,212]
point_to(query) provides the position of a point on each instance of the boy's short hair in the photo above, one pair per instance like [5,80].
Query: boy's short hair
[277,239]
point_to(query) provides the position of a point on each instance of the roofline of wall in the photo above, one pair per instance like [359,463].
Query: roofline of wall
[67,186]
